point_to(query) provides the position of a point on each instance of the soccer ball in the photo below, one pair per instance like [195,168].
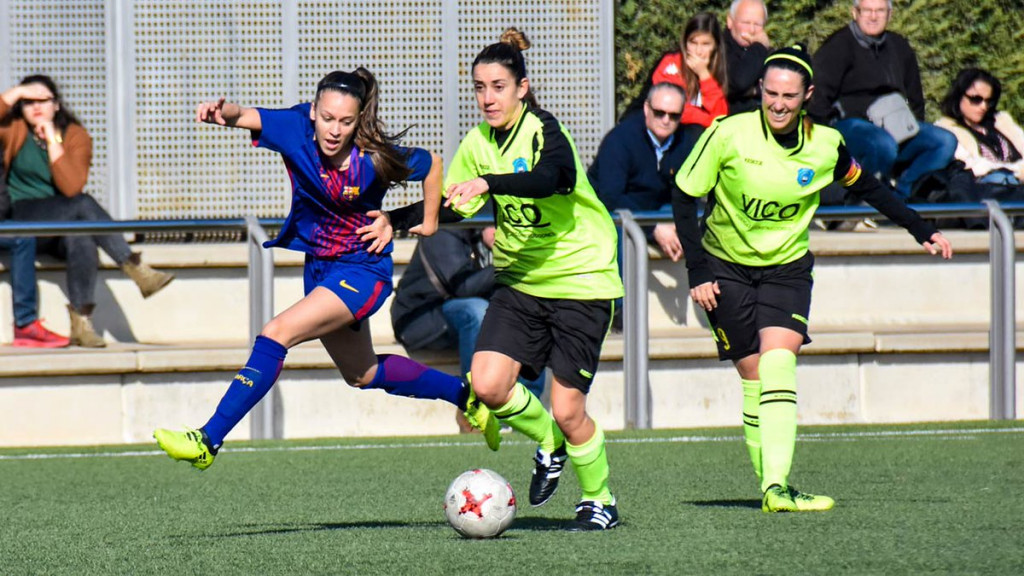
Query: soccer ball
[480,504]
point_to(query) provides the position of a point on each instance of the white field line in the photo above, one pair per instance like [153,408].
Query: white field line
[813,437]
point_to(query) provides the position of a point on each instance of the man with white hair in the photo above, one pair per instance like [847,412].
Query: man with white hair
[746,47]
[856,67]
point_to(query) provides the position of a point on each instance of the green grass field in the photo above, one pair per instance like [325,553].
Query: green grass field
[942,498]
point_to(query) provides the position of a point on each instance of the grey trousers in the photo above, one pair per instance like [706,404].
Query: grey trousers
[78,251]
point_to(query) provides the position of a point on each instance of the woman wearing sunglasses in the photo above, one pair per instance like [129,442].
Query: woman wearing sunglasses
[989,142]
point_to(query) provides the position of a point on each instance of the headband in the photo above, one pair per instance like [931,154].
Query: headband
[788,54]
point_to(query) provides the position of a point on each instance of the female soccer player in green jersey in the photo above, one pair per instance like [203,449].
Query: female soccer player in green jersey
[555,267]
[751,268]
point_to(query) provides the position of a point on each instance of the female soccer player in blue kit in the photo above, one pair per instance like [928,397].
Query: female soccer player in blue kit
[341,164]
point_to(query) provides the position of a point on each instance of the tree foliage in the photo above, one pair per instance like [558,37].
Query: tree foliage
[948,35]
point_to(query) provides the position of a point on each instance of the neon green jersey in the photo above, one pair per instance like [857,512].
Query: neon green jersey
[554,238]
[765,195]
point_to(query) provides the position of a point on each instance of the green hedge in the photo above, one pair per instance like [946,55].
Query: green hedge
[947,35]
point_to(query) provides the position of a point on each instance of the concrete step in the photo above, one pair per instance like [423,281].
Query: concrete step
[120,394]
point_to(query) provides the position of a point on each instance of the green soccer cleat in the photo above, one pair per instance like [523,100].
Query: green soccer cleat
[187,445]
[809,502]
[777,499]
[481,417]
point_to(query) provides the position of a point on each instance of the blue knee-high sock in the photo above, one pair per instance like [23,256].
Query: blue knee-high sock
[401,376]
[251,384]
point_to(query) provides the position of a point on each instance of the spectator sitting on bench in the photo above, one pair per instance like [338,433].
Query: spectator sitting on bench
[989,142]
[854,69]
[47,154]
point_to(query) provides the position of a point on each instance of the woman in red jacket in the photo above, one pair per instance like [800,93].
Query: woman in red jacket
[46,154]
[699,68]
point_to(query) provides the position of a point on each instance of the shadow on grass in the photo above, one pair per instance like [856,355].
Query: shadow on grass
[532,524]
[542,524]
[271,529]
[727,503]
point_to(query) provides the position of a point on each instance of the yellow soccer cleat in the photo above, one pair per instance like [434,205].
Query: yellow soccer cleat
[777,499]
[481,417]
[810,502]
[186,445]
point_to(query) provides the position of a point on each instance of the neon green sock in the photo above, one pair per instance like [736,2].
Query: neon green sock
[591,464]
[524,413]
[751,422]
[778,416]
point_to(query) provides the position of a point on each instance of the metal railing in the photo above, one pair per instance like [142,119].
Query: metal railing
[635,332]
[266,421]
[1002,336]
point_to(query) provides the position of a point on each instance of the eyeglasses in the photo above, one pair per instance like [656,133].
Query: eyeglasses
[31,101]
[673,116]
[976,100]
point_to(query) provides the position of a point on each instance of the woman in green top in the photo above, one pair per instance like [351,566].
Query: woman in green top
[751,268]
[555,267]
[47,154]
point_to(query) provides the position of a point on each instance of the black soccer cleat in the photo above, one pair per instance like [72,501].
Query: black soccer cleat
[546,471]
[594,515]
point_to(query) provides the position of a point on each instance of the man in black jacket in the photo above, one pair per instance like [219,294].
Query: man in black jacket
[637,161]
[746,47]
[853,68]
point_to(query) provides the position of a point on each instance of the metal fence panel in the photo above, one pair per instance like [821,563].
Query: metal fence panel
[147,63]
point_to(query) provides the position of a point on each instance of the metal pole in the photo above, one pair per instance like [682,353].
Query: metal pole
[263,421]
[635,326]
[1002,330]
[628,320]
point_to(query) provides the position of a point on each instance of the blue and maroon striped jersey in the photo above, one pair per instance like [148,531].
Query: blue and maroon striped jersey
[328,205]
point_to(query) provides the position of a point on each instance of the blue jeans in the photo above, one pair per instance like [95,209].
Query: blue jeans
[79,252]
[464,317]
[1001,177]
[932,149]
[23,278]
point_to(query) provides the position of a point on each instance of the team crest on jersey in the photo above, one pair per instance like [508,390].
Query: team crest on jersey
[350,192]
[804,176]
[519,165]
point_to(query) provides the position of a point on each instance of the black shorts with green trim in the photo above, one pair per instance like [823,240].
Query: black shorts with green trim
[753,298]
[565,335]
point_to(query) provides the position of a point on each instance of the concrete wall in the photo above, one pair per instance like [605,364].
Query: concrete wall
[899,337]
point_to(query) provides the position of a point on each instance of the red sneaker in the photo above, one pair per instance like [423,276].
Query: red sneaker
[35,335]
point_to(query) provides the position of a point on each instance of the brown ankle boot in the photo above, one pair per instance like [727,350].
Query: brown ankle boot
[148,280]
[82,332]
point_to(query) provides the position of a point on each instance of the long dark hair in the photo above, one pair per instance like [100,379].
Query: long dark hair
[63,118]
[508,52]
[704,22]
[371,136]
[958,89]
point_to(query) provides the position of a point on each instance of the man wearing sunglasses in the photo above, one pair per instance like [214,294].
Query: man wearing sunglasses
[856,66]
[638,159]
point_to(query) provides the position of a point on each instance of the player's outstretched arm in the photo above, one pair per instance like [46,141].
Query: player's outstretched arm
[225,113]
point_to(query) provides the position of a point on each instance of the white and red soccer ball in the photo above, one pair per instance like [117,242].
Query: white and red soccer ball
[480,504]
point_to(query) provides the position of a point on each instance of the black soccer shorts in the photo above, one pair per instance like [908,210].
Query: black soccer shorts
[753,298]
[565,335]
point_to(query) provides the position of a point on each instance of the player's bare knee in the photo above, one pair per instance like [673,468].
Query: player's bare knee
[277,331]
[568,418]
[491,393]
